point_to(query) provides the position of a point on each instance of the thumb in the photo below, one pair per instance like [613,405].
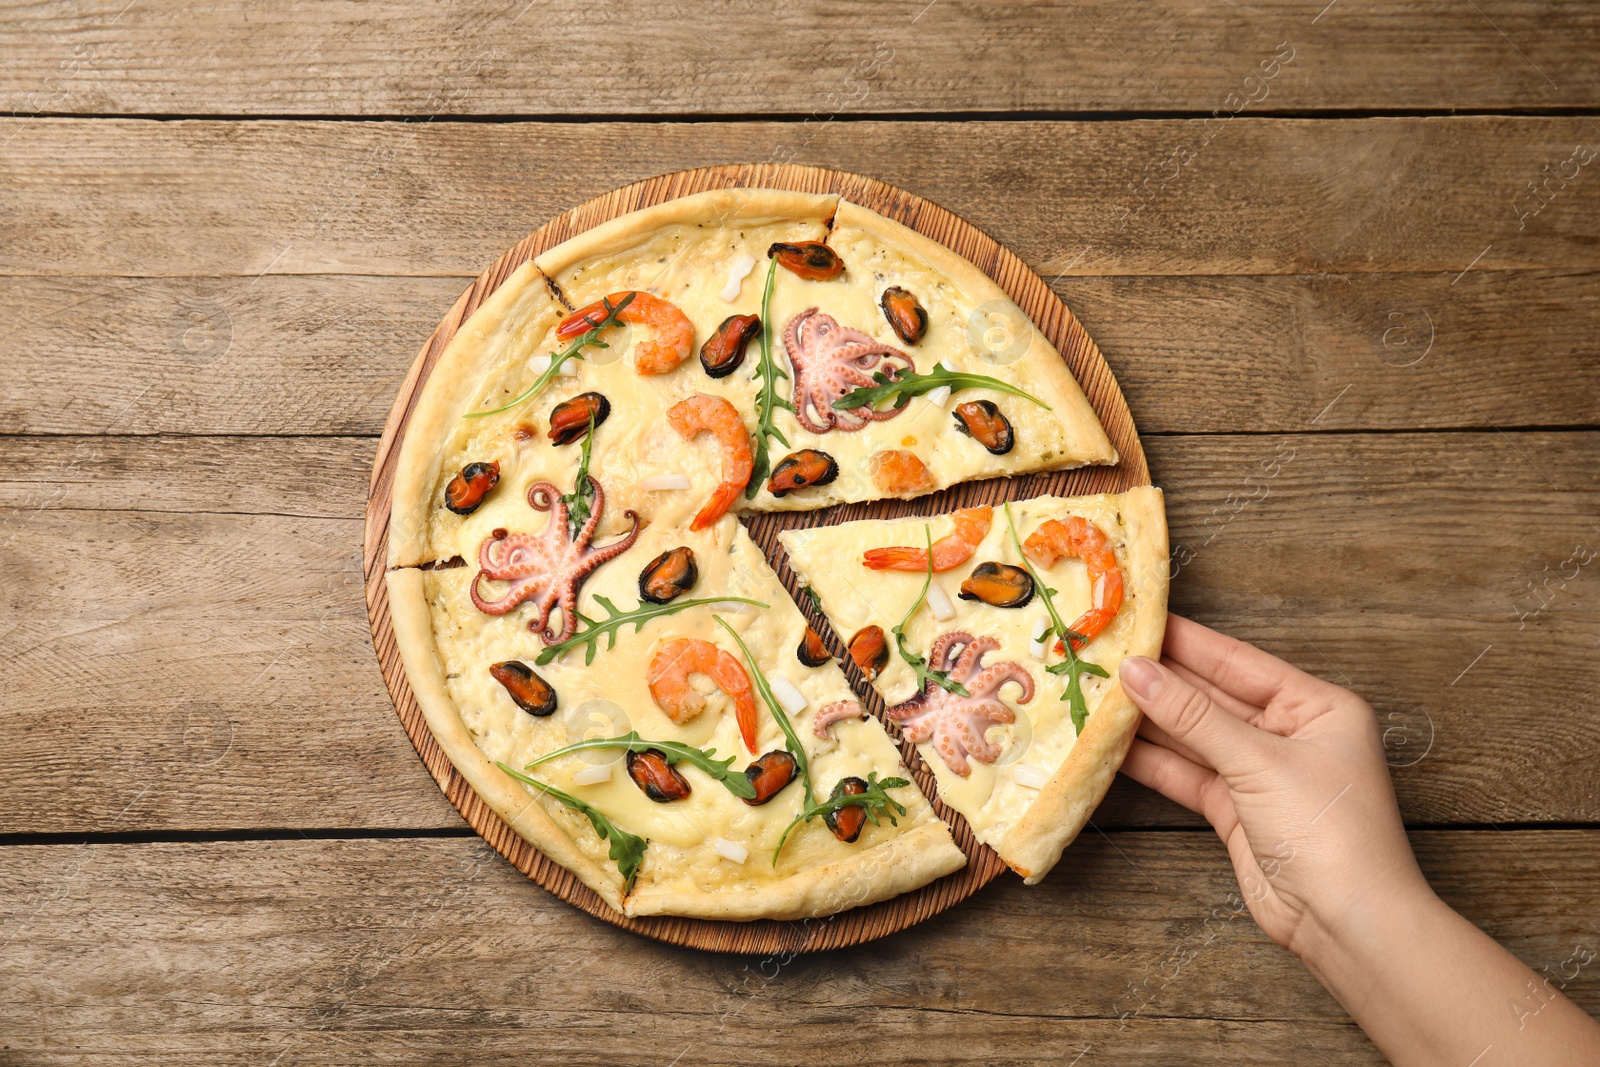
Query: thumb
[1191,717]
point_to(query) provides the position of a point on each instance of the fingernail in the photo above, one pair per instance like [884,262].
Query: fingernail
[1140,676]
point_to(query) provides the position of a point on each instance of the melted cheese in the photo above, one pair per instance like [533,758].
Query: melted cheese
[992,796]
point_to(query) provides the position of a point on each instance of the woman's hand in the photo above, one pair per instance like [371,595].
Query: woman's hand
[1289,770]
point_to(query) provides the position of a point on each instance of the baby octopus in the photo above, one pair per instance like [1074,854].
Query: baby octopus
[954,723]
[546,568]
[829,361]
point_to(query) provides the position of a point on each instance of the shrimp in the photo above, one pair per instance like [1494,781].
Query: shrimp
[674,335]
[900,473]
[1081,539]
[950,551]
[668,678]
[704,413]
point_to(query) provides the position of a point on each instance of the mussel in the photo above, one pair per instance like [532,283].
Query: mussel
[801,469]
[812,260]
[468,488]
[667,575]
[982,421]
[999,585]
[569,420]
[769,774]
[907,317]
[846,822]
[530,692]
[653,773]
[724,349]
[869,649]
[812,652]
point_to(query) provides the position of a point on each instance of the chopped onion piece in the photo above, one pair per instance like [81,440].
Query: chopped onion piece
[939,603]
[593,775]
[569,369]
[664,481]
[793,701]
[730,850]
[737,607]
[736,275]
[1037,644]
[938,396]
[538,364]
[1029,775]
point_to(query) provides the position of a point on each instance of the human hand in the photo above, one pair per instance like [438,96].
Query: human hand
[1287,768]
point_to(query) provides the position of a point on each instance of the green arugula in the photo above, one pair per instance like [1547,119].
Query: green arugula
[925,673]
[900,388]
[791,739]
[616,619]
[581,499]
[1073,667]
[589,339]
[627,850]
[876,800]
[675,751]
[768,402]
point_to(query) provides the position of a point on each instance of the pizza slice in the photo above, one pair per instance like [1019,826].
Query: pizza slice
[994,636]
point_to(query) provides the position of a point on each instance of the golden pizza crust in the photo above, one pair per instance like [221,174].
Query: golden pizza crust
[1034,844]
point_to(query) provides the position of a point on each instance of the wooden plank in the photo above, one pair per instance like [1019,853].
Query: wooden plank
[428,950]
[1433,573]
[1246,196]
[323,354]
[807,58]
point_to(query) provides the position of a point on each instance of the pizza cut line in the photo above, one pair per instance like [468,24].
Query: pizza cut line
[605,655]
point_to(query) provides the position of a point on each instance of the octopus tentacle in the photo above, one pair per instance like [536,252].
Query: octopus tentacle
[829,361]
[939,655]
[989,682]
[971,657]
[954,723]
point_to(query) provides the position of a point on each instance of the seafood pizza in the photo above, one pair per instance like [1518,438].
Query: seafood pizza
[602,651]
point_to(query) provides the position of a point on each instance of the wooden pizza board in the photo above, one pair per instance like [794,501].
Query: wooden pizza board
[1024,287]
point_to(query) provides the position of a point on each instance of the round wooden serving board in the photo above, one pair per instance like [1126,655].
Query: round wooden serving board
[1024,287]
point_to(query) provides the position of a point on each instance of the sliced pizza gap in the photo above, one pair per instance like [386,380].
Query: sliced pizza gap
[993,700]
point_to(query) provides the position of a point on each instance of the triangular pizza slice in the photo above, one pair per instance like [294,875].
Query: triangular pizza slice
[1023,730]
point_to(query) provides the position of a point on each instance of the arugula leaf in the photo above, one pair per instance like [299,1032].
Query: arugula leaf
[902,387]
[627,850]
[589,339]
[925,674]
[581,499]
[876,800]
[616,619]
[791,739]
[768,402]
[1073,667]
[675,751]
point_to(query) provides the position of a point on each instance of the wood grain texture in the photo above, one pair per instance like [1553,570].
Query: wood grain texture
[321,354]
[1031,295]
[1381,561]
[799,57]
[1258,196]
[408,950]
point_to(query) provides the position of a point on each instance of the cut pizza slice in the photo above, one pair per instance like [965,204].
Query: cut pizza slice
[680,750]
[997,651]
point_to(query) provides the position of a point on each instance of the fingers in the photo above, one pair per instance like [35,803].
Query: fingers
[1192,718]
[1240,669]
[1229,703]
[1157,736]
[1169,774]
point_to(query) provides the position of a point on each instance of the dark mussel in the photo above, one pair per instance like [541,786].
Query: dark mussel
[669,574]
[906,315]
[999,585]
[982,421]
[869,648]
[530,692]
[846,822]
[653,773]
[724,350]
[801,469]
[469,488]
[569,420]
[812,652]
[769,774]
[812,260]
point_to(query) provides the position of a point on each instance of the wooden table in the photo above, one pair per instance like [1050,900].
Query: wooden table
[1343,259]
